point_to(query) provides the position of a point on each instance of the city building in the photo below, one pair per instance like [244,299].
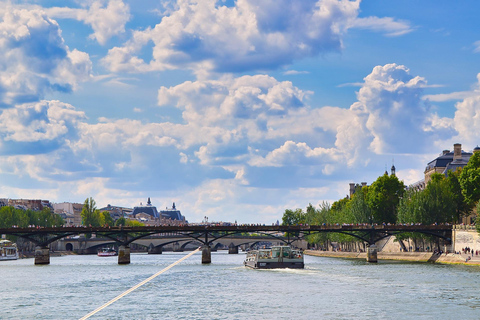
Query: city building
[70,212]
[172,213]
[354,186]
[148,209]
[116,212]
[149,214]
[27,204]
[446,161]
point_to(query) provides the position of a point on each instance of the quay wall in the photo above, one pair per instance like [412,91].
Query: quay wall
[450,258]
[390,249]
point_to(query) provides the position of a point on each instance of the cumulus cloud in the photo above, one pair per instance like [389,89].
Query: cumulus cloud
[106,19]
[38,127]
[467,118]
[206,36]
[34,58]
[250,35]
[396,116]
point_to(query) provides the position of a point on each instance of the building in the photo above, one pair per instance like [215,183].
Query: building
[149,214]
[355,186]
[148,209]
[70,212]
[27,204]
[116,212]
[448,160]
[172,214]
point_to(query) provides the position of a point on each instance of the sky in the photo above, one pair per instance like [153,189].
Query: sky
[234,110]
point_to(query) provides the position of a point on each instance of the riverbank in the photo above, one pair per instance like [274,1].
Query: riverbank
[450,258]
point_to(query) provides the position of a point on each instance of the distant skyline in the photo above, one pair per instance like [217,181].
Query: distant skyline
[235,110]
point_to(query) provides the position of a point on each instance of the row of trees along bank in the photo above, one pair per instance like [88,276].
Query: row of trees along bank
[446,199]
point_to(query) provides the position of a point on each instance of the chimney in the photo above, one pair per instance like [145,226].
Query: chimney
[364,184]
[457,151]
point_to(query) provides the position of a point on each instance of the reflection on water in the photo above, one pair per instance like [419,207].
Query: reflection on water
[328,288]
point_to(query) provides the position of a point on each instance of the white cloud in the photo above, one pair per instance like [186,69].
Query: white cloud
[34,58]
[390,26]
[295,72]
[476,45]
[396,115]
[106,20]
[442,97]
[467,120]
[45,120]
[204,35]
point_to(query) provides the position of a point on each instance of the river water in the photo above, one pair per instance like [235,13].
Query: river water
[328,288]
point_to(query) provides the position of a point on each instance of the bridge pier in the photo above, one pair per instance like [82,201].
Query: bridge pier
[372,253]
[232,249]
[206,255]
[42,255]
[123,254]
[155,250]
[177,247]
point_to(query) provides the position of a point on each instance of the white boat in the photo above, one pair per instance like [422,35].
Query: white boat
[8,250]
[275,257]
[107,252]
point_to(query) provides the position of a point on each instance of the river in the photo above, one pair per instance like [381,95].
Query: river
[328,288]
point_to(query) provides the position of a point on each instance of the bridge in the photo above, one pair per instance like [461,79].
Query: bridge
[156,244]
[206,235]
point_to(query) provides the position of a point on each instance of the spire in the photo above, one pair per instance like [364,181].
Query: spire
[149,203]
[173,207]
[392,170]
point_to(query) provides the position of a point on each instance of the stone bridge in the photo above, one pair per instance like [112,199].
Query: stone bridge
[157,244]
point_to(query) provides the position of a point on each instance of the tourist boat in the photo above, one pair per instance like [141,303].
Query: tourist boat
[107,252]
[8,250]
[275,257]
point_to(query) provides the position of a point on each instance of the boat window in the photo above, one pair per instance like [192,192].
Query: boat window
[286,252]
[276,252]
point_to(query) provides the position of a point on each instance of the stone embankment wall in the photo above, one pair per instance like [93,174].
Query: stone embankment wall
[465,236]
[390,249]
[450,258]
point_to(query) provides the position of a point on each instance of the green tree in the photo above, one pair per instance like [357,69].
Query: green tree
[121,222]
[462,208]
[383,197]
[106,219]
[434,204]
[470,179]
[134,223]
[90,214]
[291,217]
[358,207]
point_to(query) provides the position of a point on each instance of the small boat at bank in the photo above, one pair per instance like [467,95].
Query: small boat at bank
[274,258]
[107,252]
[8,250]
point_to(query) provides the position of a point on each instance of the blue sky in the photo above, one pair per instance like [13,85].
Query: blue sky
[235,110]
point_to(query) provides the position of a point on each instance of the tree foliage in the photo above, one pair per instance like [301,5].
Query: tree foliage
[10,216]
[383,197]
[470,179]
[434,204]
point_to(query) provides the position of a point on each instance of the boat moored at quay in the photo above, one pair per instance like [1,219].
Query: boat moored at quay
[8,250]
[275,258]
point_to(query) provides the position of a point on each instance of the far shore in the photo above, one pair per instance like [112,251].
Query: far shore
[444,258]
